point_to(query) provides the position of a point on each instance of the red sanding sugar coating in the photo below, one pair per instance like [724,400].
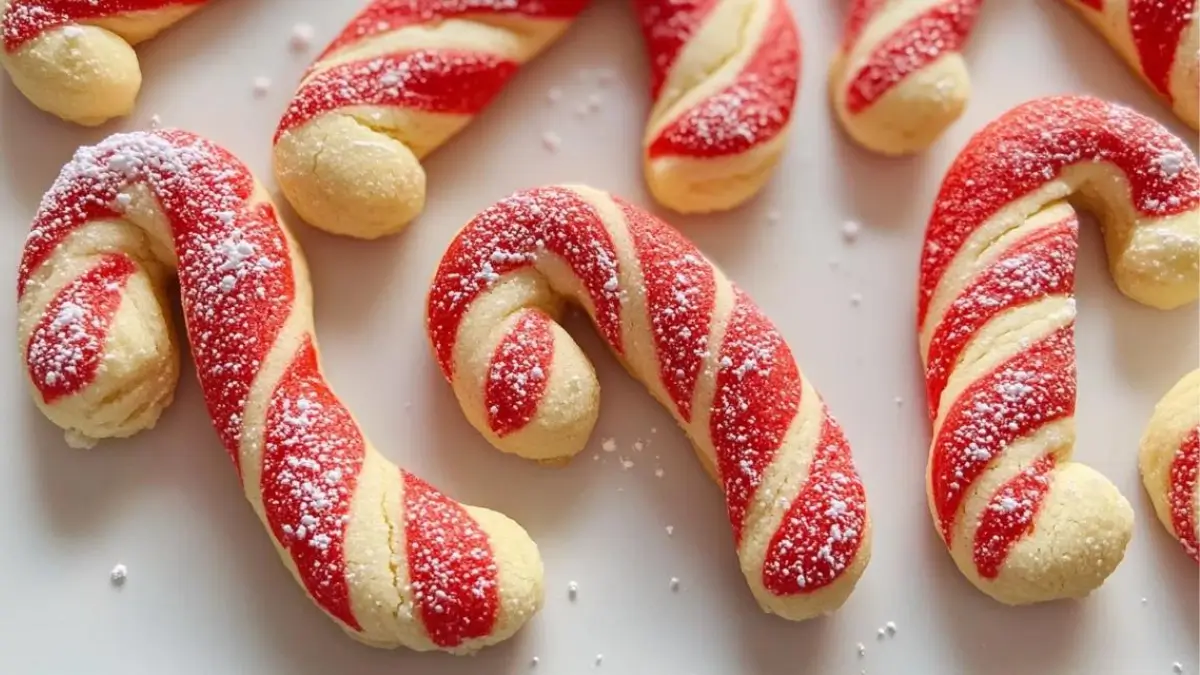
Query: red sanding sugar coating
[1028,391]
[1031,145]
[667,25]
[823,527]
[518,372]
[940,31]
[27,19]
[388,15]
[1157,27]
[512,234]
[1040,265]
[1182,492]
[1010,516]
[752,110]
[680,295]
[450,566]
[234,267]
[66,348]
[311,457]
[433,81]
[757,397]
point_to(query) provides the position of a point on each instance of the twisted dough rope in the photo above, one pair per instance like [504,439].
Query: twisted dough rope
[1160,40]
[407,75]
[1170,452]
[698,343]
[75,58]
[899,79]
[997,315]
[390,559]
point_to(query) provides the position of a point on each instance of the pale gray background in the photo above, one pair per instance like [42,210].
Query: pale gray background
[205,591]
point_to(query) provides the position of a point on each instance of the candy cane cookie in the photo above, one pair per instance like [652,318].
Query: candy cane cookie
[75,58]
[899,79]
[1169,454]
[1159,39]
[407,75]
[698,343]
[390,559]
[996,313]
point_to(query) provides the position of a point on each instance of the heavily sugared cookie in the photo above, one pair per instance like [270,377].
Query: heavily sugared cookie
[75,58]
[996,315]
[1168,458]
[407,75]
[389,558]
[704,350]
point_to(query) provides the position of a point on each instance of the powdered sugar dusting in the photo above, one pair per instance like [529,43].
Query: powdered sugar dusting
[25,20]
[450,563]
[1181,493]
[519,372]
[1010,515]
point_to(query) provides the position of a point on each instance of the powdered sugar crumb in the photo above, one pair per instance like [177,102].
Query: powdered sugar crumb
[118,575]
[551,141]
[302,37]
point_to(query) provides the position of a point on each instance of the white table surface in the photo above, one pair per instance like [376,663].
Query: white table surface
[205,592]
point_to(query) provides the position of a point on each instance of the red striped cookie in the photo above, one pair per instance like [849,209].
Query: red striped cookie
[899,79]
[390,559]
[1169,455]
[997,314]
[75,58]
[699,344]
[407,75]
[1160,40]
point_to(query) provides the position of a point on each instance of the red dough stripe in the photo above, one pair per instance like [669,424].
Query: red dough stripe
[1010,516]
[1031,145]
[756,108]
[312,455]
[1040,265]
[1028,391]
[450,566]
[1157,27]
[940,30]
[518,373]
[442,81]
[66,349]
[824,526]
[667,26]
[1182,493]
[680,294]
[28,19]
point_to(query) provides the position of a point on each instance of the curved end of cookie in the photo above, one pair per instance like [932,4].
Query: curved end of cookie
[343,177]
[911,116]
[706,185]
[1158,264]
[519,576]
[1080,537]
[82,74]
[827,599]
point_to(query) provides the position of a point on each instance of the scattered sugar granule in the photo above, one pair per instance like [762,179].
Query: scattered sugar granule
[581,110]
[670,530]
[1177,667]
[595,457]
[880,634]
[599,659]
[850,230]
[302,36]
[862,650]
[659,473]
[638,446]
[572,590]
[674,583]
[654,430]
[554,95]
[626,464]
[609,445]
[593,102]
[899,400]
[891,627]
[118,575]
[605,76]
[551,141]
[834,263]
[773,216]
[155,121]
[534,661]
[620,489]
[1145,601]
[856,299]
[262,85]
